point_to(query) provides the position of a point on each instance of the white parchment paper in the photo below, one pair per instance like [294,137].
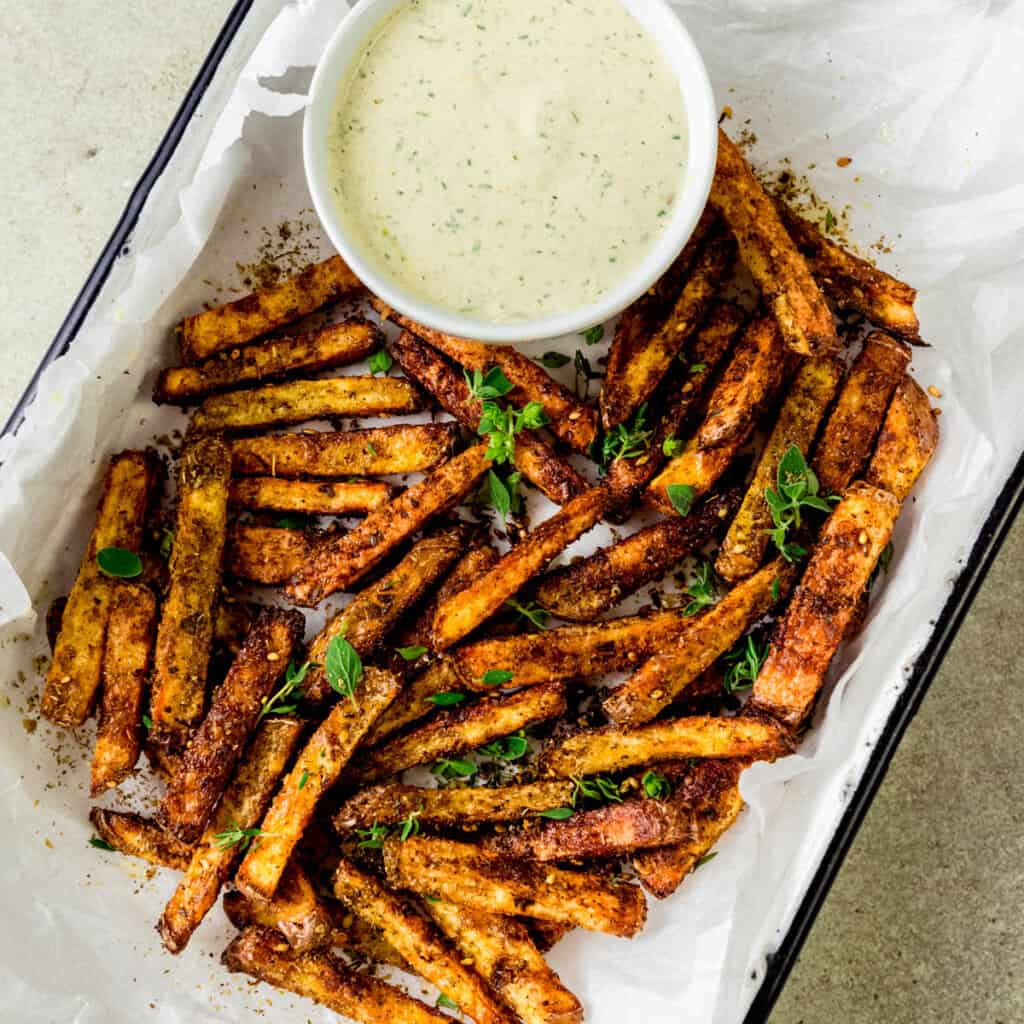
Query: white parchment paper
[925,96]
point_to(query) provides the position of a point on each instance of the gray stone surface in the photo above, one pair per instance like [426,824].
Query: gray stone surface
[924,922]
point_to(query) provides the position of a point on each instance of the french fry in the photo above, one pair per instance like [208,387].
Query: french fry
[377,451]
[297,401]
[533,456]
[208,762]
[775,263]
[466,727]
[473,877]
[413,702]
[186,618]
[585,590]
[135,836]
[232,622]
[243,805]
[338,562]
[663,678]
[464,611]
[802,411]
[311,497]
[299,913]
[73,678]
[696,468]
[316,769]
[336,345]
[506,958]
[613,748]
[126,656]
[240,321]
[263,954]
[546,934]
[419,943]
[266,554]
[906,443]
[845,444]
[809,634]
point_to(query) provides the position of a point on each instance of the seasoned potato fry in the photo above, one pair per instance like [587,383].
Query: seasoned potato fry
[338,562]
[243,805]
[906,442]
[209,760]
[775,263]
[240,321]
[265,955]
[135,836]
[186,618]
[232,622]
[315,770]
[466,727]
[846,441]
[266,554]
[584,590]
[297,401]
[547,934]
[809,634]
[73,678]
[473,877]
[377,451]
[802,411]
[695,467]
[662,679]
[413,702]
[332,346]
[419,943]
[312,497]
[126,655]
[464,611]
[300,915]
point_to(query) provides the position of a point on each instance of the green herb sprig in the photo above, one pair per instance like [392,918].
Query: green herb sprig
[235,836]
[701,591]
[286,699]
[531,611]
[598,788]
[627,441]
[797,490]
[744,661]
[119,563]
[343,668]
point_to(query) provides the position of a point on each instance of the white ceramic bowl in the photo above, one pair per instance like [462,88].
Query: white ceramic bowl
[702,133]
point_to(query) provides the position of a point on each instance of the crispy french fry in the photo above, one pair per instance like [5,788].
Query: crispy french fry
[336,345]
[263,954]
[126,656]
[775,263]
[533,456]
[696,468]
[474,877]
[802,411]
[662,679]
[338,562]
[464,611]
[300,915]
[419,943]
[506,958]
[315,770]
[243,805]
[297,401]
[312,497]
[413,702]
[845,444]
[547,934]
[186,617]
[232,622]
[466,727]
[809,634]
[73,678]
[906,442]
[208,762]
[135,836]
[377,451]
[240,321]
[584,590]
[266,554]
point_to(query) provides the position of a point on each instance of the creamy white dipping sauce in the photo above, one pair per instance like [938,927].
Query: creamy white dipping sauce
[507,159]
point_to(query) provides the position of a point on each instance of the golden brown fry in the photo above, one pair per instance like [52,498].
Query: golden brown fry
[326,979]
[240,321]
[338,562]
[809,635]
[244,803]
[300,915]
[464,611]
[377,451]
[466,727]
[316,769]
[696,468]
[232,622]
[413,702]
[802,410]
[775,263]
[474,877]
[906,442]
[419,943]
[846,441]
[266,554]
[336,345]
[126,655]
[186,618]
[135,836]
[74,674]
[300,400]
[546,934]
[208,762]
[662,679]
[312,497]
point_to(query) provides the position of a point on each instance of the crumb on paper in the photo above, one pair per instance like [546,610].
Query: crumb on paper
[934,391]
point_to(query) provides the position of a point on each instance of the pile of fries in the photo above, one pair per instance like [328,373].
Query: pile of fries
[550,803]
